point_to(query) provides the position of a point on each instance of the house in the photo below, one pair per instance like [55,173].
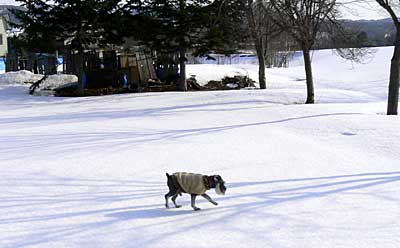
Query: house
[3,36]
[7,17]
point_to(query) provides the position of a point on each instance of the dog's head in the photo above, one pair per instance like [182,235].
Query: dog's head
[219,185]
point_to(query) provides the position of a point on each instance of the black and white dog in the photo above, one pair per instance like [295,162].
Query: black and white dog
[193,184]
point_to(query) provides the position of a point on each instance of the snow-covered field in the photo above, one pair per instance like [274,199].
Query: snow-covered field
[90,172]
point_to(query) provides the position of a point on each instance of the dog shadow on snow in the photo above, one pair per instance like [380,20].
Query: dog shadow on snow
[263,194]
[305,188]
[150,213]
[136,200]
[284,191]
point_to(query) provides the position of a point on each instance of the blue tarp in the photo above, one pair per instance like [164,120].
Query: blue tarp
[2,65]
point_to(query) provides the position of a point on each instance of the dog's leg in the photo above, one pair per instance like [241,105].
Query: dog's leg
[173,190]
[167,196]
[193,199]
[209,199]
[174,198]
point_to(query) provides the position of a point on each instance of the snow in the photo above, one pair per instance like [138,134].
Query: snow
[19,77]
[23,79]
[54,81]
[90,172]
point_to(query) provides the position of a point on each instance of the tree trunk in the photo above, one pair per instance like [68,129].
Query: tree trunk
[81,89]
[182,85]
[309,77]
[393,96]
[261,63]
[255,28]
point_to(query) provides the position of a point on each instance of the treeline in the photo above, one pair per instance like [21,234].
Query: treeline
[198,27]
[370,33]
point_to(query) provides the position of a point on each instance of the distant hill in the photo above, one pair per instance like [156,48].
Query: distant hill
[377,32]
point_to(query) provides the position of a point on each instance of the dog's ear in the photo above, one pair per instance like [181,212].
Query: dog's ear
[218,179]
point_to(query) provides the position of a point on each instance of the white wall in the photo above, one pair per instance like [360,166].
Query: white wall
[3,33]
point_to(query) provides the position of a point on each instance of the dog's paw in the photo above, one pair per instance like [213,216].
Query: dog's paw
[196,209]
[178,206]
[166,206]
[215,203]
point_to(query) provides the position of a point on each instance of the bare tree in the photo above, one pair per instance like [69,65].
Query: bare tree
[302,19]
[393,97]
[262,29]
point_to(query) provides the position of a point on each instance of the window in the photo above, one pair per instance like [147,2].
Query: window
[1,39]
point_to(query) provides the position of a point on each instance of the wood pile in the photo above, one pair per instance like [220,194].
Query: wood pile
[230,83]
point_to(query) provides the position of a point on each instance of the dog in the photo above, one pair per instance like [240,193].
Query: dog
[193,184]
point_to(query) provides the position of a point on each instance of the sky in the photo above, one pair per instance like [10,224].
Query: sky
[364,9]
[8,2]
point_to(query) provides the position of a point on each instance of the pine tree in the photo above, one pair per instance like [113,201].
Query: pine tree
[34,21]
[81,23]
[75,22]
[177,26]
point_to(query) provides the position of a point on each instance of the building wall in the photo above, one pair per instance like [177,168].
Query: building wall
[3,38]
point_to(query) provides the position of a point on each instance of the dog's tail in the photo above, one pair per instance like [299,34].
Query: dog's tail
[169,178]
[172,183]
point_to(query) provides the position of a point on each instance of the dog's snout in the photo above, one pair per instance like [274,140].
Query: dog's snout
[223,188]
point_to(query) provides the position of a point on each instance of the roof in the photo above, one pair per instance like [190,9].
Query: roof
[3,19]
[6,12]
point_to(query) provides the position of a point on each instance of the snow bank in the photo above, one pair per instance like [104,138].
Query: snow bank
[19,77]
[17,83]
[207,72]
[54,81]
[23,76]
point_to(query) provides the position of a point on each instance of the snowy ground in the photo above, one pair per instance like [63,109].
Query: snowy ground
[90,172]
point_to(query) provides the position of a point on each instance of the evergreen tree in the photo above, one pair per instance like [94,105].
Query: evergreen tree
[34,21]
[177,26]
[80,23]
[77,23]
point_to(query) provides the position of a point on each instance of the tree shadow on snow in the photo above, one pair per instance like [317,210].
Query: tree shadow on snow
[115,141]
[70,207]
[266,194]
[308,188]
[90,199]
